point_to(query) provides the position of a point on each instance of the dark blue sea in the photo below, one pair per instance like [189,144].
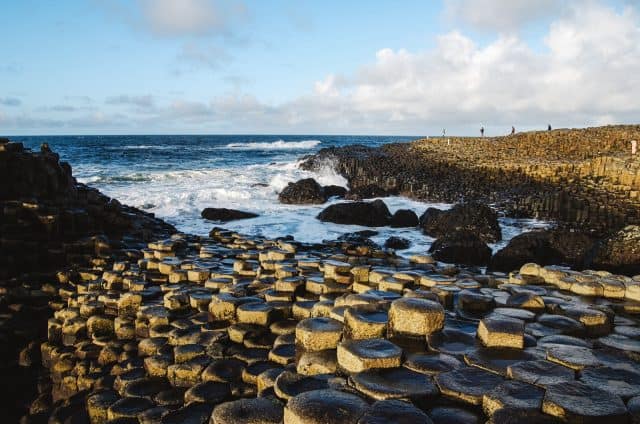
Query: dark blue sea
[176,176]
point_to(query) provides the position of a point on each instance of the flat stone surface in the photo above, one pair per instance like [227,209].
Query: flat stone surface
[575,357]
[248,411]
[522,416]
[395,383]
[512,394]
[621,382]
[415,317]
[467,384]
[361,355]
[320,333]
[453,415]
[289,384]
[432,364]
[540,372]
[452,342]
[497,331]
[578,402]
[394,411]
[497,360]
[324,406]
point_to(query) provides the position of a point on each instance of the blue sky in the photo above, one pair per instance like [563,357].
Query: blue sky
[374,67]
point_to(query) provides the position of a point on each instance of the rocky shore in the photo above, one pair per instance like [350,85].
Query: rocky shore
[109,315]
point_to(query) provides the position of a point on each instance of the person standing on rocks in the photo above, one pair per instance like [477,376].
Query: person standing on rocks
[444,132]
[549,127]
[481,130]
[513,130]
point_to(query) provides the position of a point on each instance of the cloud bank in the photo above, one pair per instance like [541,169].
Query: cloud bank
[586,73]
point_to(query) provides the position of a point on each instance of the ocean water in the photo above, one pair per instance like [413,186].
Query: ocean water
[176,176]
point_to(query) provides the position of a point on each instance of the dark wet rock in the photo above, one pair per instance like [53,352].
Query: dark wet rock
[626,344]
[395,383]
[564,325]
[194,413]
[574,357]
[324,406]
[361,355]
[248,411]
[394,411]
[432,363]
[540,372]
[499,331]
[289,384]
[467,384]
[512,394]
[580,403]
[334,191]
[634,409]
[404,218]
[461,247]
[451,342]
[128,407]
[225,215]
[544,247]
[497,360]
[619,253]
[474,217]
[522,416]
[305,191]
[208,392]
[398,243]
[453,415]
[621,382]
[368,214]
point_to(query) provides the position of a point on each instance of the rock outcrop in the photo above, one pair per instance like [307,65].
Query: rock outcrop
[226,215]
[306,191]
[368,214]
[473,217]
[48,223]
[461,247]
[620,252]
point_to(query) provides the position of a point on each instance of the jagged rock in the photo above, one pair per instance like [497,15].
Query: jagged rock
[477,218]
[305,191]
[368,214]
[404,218]
[461,247]
[225,215]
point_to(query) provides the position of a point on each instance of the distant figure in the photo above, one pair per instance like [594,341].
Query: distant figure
[444,132]
[513,130]
[549,127]
[482,131]
[44,148]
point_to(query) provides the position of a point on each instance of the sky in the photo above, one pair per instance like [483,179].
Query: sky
[316,67]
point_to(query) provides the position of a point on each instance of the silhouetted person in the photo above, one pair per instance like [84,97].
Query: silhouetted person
[444,132]
[481,131]
[549,127]
[513,130]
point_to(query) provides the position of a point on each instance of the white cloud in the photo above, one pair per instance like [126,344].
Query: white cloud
[144,101]
[500,15]
[190,17]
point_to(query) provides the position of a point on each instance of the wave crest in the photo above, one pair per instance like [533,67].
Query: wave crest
[274,145]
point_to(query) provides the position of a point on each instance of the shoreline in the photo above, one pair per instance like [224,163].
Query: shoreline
[146,311]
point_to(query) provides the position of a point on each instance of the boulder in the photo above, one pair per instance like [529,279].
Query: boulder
[305,191]
[225,215]
[475,217]
[334,191]
[461,247]
[398,243]
[404,218]
[546,247]
[369,214]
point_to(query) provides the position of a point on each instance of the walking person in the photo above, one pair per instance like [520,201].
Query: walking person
[513,130]
[481,130]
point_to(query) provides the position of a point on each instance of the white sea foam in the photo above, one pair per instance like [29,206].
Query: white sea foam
[180,196]
[274,145]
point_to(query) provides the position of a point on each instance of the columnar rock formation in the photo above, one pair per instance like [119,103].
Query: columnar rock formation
[586,178]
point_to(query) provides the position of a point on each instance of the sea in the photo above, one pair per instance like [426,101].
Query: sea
[177,176]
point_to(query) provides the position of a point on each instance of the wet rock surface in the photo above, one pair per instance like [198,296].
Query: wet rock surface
[369,214]
[225,215]
[308,191]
